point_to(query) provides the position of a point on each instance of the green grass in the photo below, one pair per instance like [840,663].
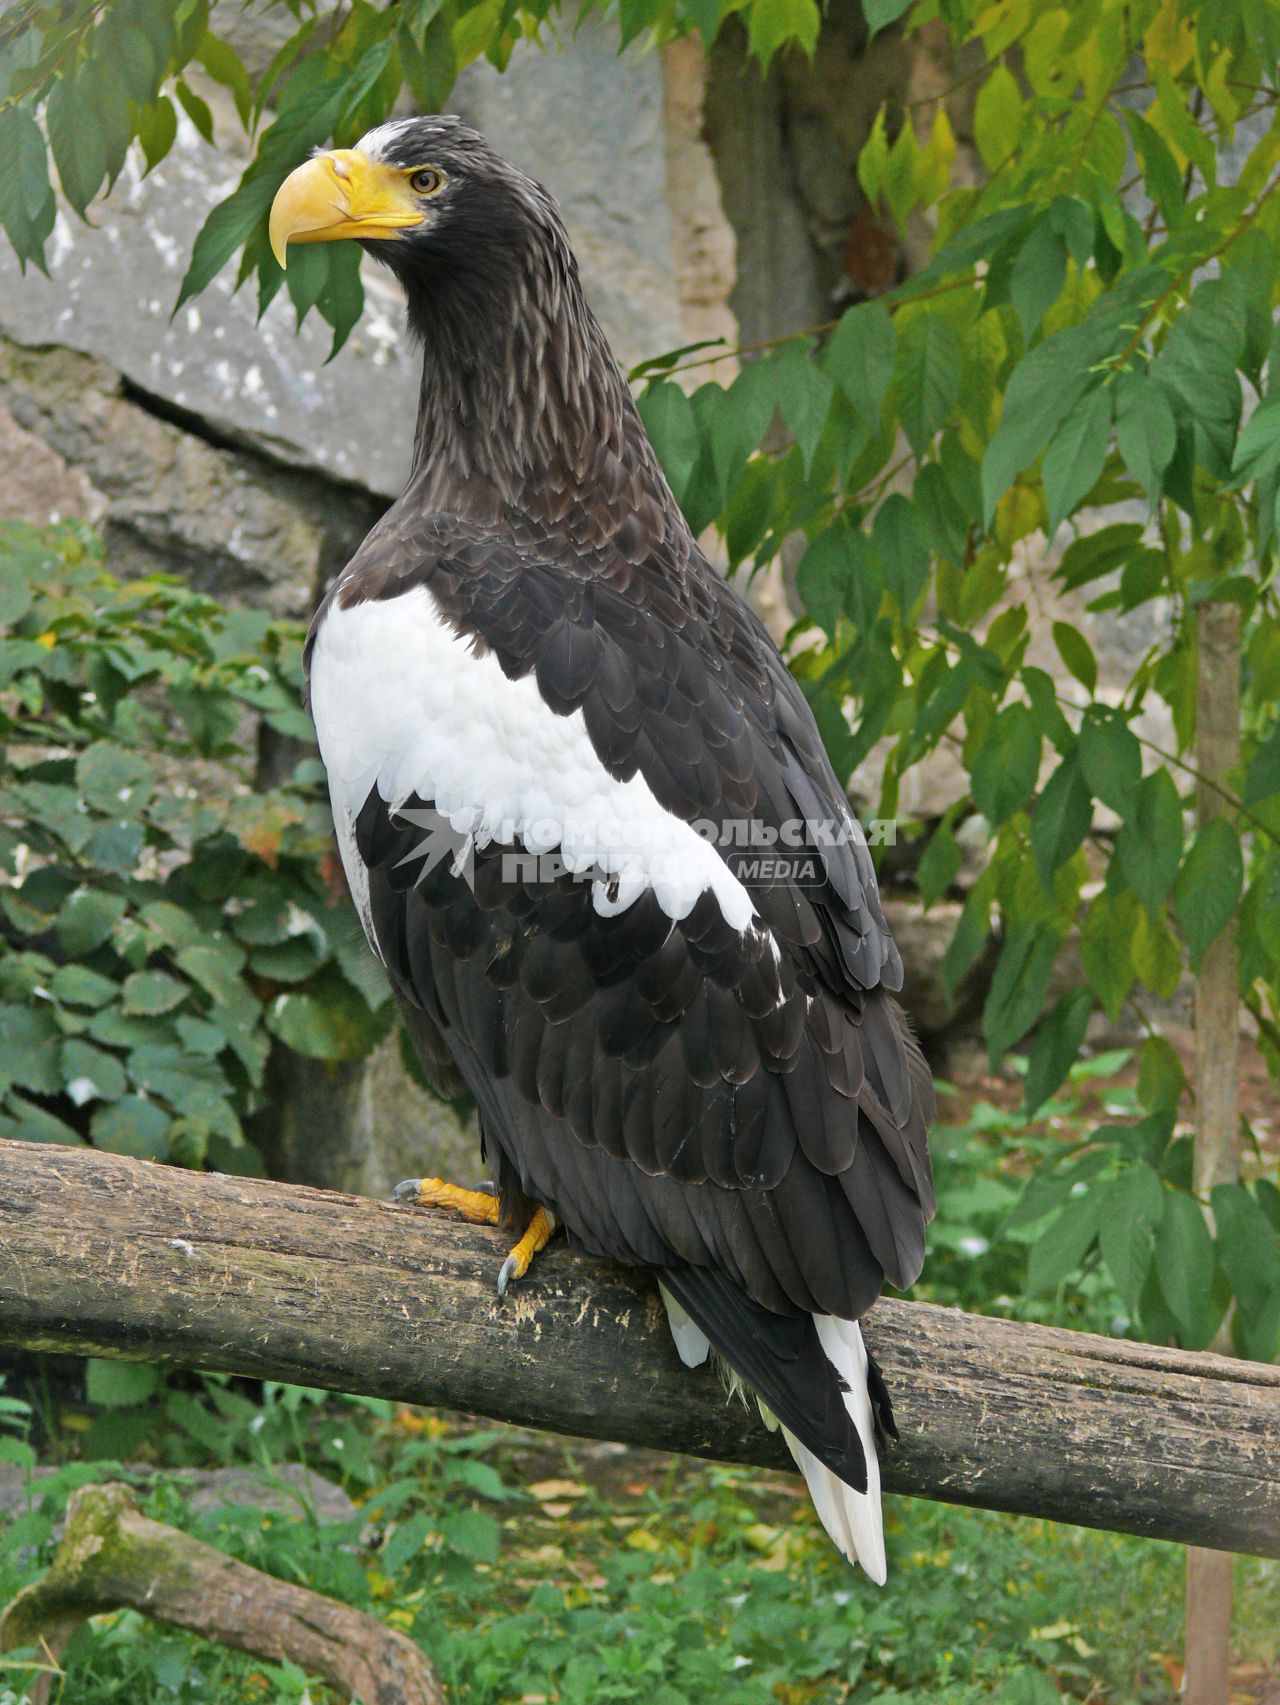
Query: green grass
[536,1570]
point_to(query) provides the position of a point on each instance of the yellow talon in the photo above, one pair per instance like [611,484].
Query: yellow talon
[478,1206]
[517,1264]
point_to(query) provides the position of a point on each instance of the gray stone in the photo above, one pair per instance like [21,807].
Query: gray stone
[232,521]
[585,121]
[361,1126]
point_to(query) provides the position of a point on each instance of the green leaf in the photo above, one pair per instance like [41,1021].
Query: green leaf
[1262,779]
[1146,433]
[1005,770]
[307,276]
[1208,886]
[1198,368]
[997,119]
[76,985]
[113,779]
[119,1385]
[741,418]
[225,230]
[1131,1210]
[224,66]
[157,130]
[1159,169]
[1161,1080]
[926,379]
[1096,554]
[1257,454]
[1106,949]
[132,1126]
[940,864]
[1056,1048]
[1049,382]
[341,301]
[334,1024]
[823,577]
[1249,1251]
[1076,652]
[1018,988]
[804,395]
[196,109]
[1038,275]
[24,185]
[1110,760]
[1061,819]
[859,356]
[881,13]
[78,143]
[90,1074]
[669,420]
[902,550]
[149,993]
[473,1533]
[29,1038]
[132,56]
[1185,1263]
[1193,139]
[774,24]
[1063,1245]
[1073,461]
[1149,845]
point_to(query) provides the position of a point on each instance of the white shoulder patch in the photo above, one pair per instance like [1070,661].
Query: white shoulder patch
[401,703]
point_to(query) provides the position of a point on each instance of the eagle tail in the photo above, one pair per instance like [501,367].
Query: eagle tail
[853,1519]
[811,1376]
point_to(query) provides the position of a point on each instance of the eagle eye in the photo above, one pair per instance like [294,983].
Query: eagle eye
[426,181]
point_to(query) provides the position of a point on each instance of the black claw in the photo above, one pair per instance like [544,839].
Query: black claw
[404,1191]
[505,1273]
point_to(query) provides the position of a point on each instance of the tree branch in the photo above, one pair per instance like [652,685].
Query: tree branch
[112,1557]
[116,1257]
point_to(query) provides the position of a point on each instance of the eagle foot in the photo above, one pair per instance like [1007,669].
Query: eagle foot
[478,1206]
[517,1264]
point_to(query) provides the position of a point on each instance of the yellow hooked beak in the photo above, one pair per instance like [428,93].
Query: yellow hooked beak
[341,194]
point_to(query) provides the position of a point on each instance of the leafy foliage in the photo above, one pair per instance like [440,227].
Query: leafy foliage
[597,1578]
[162,922]
[1090,1222]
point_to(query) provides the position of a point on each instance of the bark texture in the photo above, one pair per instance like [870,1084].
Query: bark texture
[118,1257]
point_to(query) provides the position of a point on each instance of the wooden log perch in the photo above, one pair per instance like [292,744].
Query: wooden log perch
[112,1557]
[115,1257]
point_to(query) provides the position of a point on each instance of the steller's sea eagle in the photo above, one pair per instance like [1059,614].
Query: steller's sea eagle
[653,949]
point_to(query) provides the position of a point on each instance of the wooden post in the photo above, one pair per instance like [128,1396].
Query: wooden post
[1217,1157]
[108,1256]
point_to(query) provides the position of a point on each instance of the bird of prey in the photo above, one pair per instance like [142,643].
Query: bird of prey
[654,951]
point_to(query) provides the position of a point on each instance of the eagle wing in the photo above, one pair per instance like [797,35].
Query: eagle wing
[700,1068]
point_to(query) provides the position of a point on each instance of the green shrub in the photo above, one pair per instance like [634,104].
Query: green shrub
[163,920]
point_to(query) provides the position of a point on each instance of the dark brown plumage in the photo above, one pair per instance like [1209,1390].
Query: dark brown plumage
[739,1106]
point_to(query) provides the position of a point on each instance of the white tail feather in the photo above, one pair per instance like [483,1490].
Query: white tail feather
[691,1344]
[853,1519]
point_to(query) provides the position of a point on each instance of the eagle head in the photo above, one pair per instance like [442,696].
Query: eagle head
[428,197]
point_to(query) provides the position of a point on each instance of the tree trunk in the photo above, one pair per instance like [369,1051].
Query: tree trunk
[1217,1156]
